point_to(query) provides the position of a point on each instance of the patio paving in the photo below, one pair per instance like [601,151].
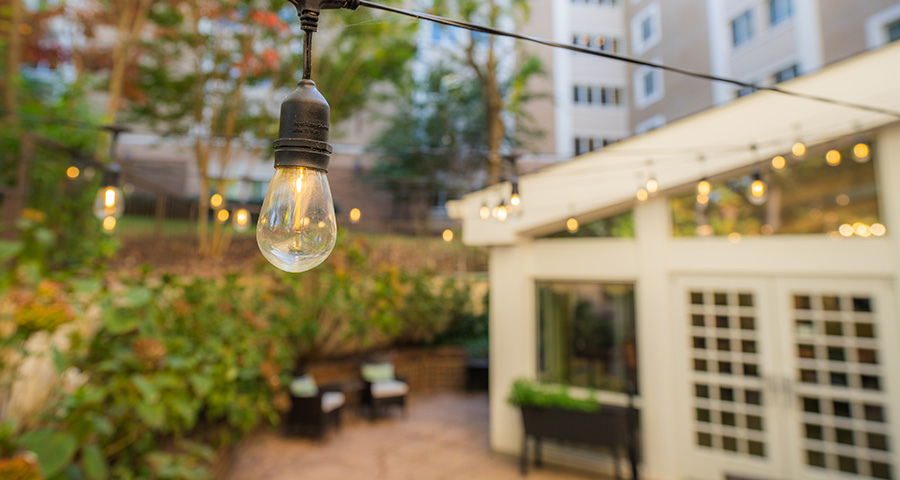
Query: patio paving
[445,436]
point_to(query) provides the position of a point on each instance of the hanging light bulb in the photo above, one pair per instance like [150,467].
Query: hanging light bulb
[502,212]
[484,212]
[704,187]
[702,199]
[758,191]
[109,224]
[241,221]
[110,202]
[798,149]
[652,185]
[447,235]
[299,197]
[861,152]
[778,162]
[642,195]
[73,172]
[833,158]
[222,215]
[515,199]
[355,215]
[572,225]
[216,201]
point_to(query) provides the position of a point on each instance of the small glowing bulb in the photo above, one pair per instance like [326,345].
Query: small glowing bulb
[767,229]
[222,216]
[704,230]
[734,237]
[109,223]
[833,157]
[799,149]
[757,192]
[355,215]
[842,200]
[572,225]
[241,220]
[322,224]
[642,195]
[702,199]
[502,213]
[216,200]
[861,152]
[846,230]
[704,187]
[652,185]
[862,230]
[878,229]
[515,200]
[778,162]
[484,212]
[447,235]
[283,232]
[73,172]
[108,203]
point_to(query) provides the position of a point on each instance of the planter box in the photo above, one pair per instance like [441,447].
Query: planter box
[607,427]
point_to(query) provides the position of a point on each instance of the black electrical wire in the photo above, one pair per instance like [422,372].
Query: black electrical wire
[635,61]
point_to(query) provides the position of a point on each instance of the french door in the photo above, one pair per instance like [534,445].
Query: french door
[788,378]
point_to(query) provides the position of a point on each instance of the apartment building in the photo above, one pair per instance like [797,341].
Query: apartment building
[597,101]
[763,42]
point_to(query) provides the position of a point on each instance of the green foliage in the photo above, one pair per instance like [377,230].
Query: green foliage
[531,394]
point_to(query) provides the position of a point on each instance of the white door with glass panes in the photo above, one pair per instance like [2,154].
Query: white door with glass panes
[787,379]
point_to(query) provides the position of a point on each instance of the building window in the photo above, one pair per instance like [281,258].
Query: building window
[648,86]
[597,2]
[788,73]
[605,96]
[893,31]
[744,91]
[586,145]
[587,335]
[780,10]
[742,28]
[646,29]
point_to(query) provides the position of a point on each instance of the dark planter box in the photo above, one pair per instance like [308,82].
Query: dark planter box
[607,427]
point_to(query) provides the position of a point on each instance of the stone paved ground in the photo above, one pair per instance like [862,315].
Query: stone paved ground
[444,437]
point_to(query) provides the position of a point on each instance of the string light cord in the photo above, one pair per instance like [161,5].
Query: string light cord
[623,58]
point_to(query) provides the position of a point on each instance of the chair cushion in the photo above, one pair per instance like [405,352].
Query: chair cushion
[304,386]
[390,388]
[332,401]
[377,372]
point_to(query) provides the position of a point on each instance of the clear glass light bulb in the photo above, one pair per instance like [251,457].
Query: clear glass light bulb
[241,220]
[296,229]
[757,192]
[109,202]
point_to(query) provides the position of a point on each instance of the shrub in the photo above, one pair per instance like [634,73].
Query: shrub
[526,393]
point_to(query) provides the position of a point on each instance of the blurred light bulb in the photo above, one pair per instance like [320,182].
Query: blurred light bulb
[355,215]
[109,203]
[778,162]
[861,152]
[447,235]
[704,230]
[862,230]
[734,237]
[515,200]
[878,229]
[704,187]
[484,212]
[241,220]
[73,172]
[842,200]
[572,225]
[767,229]
[109,224]
[502,212]
[652,185]
[798,149]
[757,191]
[297,198]
[216,200]
[846,230]
[702,199]
[222,216]
[833,157]
[642,195]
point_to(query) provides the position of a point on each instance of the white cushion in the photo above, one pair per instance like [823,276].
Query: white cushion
[390,388]
[304,386]
[332,401]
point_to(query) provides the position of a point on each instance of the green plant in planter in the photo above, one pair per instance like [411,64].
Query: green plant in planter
[527,393]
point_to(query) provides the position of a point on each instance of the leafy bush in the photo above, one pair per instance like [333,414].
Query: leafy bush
[526,393]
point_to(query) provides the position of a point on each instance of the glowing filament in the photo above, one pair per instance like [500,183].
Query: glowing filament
[448,235]
[572,225]
[757,188]
[778,162]
[109,198]
[703,188]
[109,223]
[73,172]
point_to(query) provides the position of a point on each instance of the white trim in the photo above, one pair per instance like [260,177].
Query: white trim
[562,81]
[807,18]
[876,35]
[652,13]
[719,50]
[652,123]
[641,98]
